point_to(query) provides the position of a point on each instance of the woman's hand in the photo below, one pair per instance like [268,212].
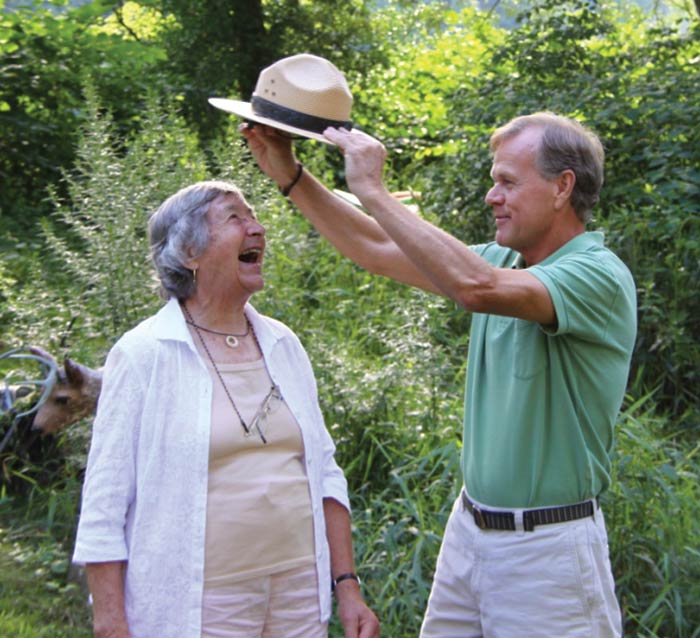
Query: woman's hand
[357,619]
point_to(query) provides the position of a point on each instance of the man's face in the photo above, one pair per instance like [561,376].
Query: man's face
[523,201]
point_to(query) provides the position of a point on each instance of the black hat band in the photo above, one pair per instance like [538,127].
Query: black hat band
[290,117]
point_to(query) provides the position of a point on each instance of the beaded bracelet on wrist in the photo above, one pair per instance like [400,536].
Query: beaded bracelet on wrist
[288,189]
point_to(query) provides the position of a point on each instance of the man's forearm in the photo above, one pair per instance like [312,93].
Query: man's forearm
[355,234]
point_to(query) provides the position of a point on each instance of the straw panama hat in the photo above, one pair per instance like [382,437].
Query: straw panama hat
[302,94]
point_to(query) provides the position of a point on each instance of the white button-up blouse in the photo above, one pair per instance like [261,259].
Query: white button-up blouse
[144,497]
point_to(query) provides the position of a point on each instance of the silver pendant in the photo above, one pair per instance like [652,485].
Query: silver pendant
[231,341]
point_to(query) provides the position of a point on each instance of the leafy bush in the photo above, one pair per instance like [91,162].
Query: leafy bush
[96,247]
[653,514]
[48,52]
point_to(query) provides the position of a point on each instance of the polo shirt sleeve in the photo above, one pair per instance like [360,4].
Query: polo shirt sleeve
[110,480]
[584,290]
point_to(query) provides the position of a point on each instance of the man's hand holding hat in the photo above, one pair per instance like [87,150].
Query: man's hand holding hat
[272,151]
[364,161]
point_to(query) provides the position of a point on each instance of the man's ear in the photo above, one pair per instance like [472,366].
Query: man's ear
[565,187]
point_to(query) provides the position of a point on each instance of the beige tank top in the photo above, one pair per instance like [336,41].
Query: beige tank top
[259,518]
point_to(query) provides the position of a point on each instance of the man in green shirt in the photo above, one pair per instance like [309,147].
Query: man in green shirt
[554,322]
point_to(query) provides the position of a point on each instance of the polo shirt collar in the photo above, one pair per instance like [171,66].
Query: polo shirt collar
[580,243]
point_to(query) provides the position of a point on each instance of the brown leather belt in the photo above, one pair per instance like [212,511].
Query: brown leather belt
[505,520]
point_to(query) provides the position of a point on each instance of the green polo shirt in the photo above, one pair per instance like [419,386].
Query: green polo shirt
[541,404]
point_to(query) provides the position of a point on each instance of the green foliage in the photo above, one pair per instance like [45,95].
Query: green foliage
[45,58]
[653,202]
[398,530]
[36,598]
[433,52]
[40,595]
[98,240]
[653,514]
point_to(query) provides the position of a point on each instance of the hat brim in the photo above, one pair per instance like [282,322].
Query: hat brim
[348,197]
[408,198]
[245,110]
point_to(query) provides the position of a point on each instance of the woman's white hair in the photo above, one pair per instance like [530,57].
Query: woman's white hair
[178,232]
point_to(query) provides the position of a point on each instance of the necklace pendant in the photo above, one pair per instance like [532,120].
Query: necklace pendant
[231,341]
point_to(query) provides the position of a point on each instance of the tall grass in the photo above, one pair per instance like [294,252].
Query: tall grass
[653,513]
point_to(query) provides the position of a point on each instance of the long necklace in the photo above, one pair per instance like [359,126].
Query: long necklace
[265,405]
[231,338]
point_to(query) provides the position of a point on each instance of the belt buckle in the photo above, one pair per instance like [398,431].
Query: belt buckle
[479,518]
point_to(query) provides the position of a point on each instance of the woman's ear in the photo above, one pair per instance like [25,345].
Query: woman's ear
[191,262]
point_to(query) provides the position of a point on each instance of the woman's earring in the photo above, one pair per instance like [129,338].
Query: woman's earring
[194,276]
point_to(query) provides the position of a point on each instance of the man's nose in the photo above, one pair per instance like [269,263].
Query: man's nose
[493,196]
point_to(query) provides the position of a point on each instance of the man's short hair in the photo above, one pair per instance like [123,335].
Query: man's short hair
[565,145]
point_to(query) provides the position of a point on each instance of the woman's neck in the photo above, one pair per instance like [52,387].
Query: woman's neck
[217,313]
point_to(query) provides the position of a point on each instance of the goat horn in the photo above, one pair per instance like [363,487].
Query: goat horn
[42,353]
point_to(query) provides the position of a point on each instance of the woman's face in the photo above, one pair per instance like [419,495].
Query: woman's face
[232,261]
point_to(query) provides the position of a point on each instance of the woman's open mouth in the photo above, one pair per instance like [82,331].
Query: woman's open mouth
[251,256]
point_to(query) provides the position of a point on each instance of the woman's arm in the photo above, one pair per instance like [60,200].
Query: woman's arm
[357,619]
[106,583]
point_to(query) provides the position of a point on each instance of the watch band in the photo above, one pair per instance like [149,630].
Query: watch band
[342,577]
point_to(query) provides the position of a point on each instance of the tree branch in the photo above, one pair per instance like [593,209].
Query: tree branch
[127,28]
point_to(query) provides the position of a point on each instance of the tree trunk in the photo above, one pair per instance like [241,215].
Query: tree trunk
[218,51]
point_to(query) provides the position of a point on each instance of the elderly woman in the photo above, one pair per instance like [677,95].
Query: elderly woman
[212,504]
